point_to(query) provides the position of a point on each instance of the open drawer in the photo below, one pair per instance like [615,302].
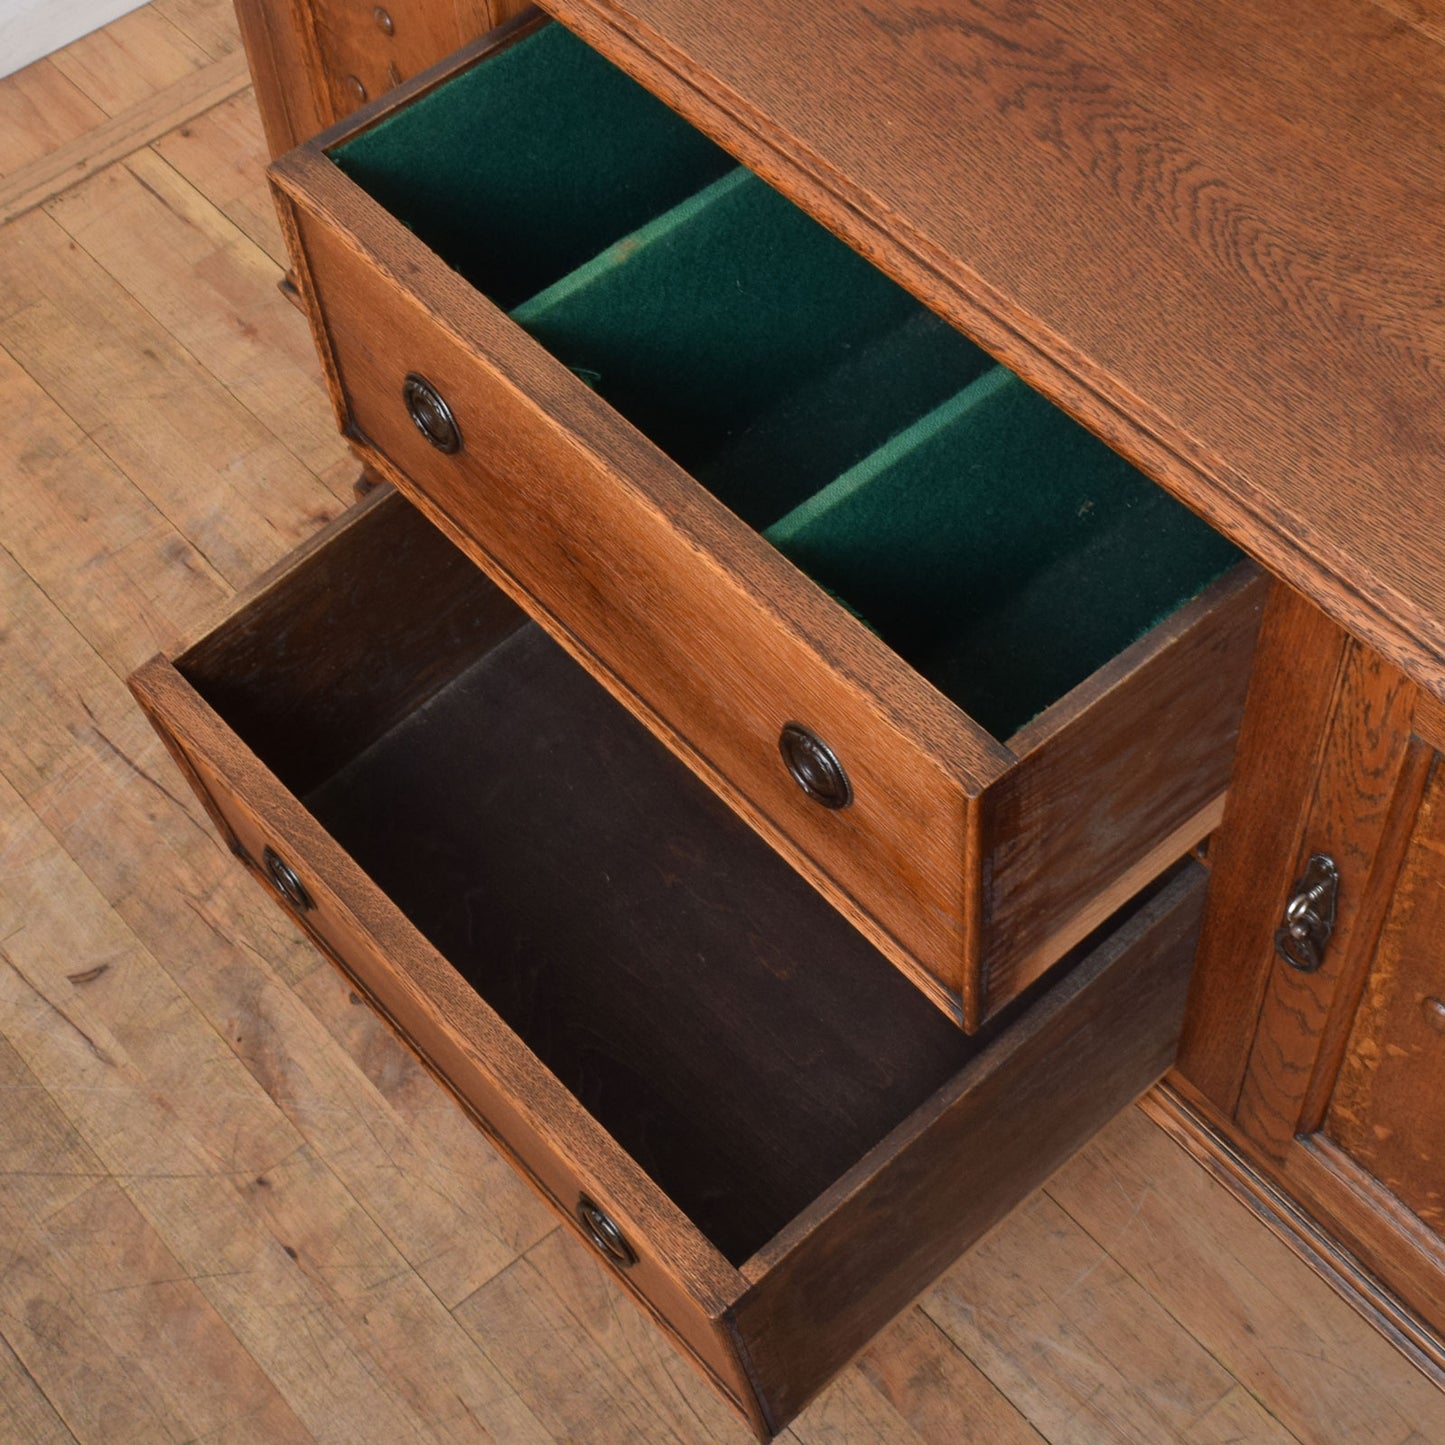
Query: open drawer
[973,675]
[767,1132]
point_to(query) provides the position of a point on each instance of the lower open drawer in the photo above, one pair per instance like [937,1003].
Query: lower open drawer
[771,1137]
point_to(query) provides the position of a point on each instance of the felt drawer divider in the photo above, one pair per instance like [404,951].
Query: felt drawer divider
[1002,549]
[513,182]
[750,343]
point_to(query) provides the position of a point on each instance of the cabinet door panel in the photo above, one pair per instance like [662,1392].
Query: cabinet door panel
[1347,817]
[1385,1111]
[1329,1081]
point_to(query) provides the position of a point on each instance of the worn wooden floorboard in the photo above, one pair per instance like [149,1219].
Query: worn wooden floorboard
[41,109]
[232,1207]
[125,62]
[217,153]
[1264,1315]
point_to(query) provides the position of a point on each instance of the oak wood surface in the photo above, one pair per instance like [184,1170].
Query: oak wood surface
[588,517]
[1287,1059]
[1383,1107]
[315,61]
[1295,679]
[1081,798]
[1137,208]
[1097,1040]
[519,1105]
[139,930]
[1365,768]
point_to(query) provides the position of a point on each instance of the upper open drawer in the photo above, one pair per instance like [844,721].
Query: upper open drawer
[973,675]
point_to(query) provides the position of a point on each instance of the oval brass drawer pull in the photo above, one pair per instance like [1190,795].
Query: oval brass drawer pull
[814,766]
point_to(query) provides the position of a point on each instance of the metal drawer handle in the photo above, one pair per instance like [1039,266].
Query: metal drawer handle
[1309,916]
[605,1234]
[284,880]
[814,766]
[429,412]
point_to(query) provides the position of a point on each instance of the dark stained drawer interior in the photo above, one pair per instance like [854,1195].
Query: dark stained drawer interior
[725,1025]
[646,1008]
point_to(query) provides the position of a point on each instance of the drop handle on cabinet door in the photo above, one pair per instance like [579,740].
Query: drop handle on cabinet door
[430,413]
[604,1233]
[814,766]
[1309,916]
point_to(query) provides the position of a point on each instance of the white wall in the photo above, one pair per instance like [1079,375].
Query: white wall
[32,28]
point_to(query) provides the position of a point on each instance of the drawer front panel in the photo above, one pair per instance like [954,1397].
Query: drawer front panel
[437,1015]
[567,510]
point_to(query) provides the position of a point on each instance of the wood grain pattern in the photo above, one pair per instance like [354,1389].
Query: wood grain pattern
[1081,798]
[315,61]
[1354,777]
[149,405]
[1211,1142]
[222,153]
[137,56]
[942,1398]
[40,111]
[1023,1103]
[362,59]
[266,364]
[558,495]
[94,580]
[1289,389]
[280,50]
[1122,1193]
[130,130]
[1127,1373]
[1382,1109]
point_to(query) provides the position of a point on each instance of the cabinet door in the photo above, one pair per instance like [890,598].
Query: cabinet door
[1332,1079]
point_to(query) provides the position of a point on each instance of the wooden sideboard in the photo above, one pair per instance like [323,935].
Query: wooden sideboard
[1213,236]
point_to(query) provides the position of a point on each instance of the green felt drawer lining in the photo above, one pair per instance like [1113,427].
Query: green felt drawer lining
[997,546]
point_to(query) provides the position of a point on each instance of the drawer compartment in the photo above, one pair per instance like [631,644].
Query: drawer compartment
[670,1033]
[976,678]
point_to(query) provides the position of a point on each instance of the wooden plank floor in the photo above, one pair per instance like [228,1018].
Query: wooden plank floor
[231,1208]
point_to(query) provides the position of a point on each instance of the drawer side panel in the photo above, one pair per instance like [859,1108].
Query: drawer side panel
[947,1175]
[1115,783]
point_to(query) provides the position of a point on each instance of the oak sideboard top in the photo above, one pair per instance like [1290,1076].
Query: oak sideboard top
[1216,233]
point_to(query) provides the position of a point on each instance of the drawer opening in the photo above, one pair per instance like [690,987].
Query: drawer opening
[735,1035]
[994,544]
